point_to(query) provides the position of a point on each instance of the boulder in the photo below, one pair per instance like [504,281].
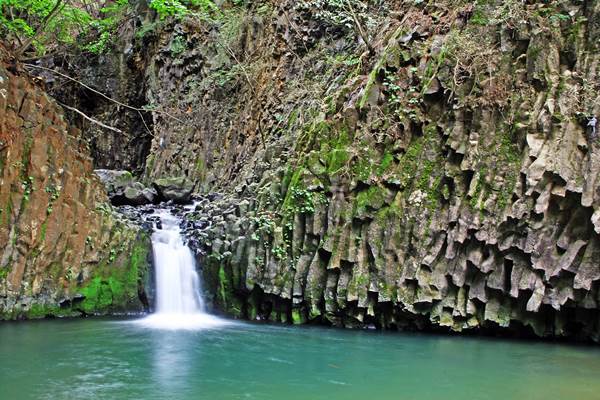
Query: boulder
[137,194]
[177,189]
[114,180]
[123,189]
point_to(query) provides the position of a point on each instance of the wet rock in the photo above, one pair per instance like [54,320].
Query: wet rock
[114,181]
[137,194]
[123,189]
[178,190]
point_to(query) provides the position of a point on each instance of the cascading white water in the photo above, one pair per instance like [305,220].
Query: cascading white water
[178,301]
[177,288]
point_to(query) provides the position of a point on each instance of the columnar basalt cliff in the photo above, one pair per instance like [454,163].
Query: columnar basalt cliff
[63,252]
[407,165]
[454,185]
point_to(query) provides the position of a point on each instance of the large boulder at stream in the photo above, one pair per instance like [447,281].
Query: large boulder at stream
[177,189]
[123,189]
[114,180]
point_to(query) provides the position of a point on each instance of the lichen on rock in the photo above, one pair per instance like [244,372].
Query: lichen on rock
[456,184]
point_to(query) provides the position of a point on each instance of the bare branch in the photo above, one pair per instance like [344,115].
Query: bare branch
[102,94]
[148,129]
[359,28]
[92,120]
[247,76]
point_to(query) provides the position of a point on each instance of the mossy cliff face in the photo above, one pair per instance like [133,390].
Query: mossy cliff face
[62,250]
[440,177]
[447,180]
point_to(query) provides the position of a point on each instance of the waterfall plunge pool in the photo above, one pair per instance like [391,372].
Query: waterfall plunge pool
[116,359]
[180,352]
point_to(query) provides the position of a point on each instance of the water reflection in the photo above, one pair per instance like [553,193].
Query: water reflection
[174,358]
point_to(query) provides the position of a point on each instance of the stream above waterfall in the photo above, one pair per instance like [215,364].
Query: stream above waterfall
[112,359]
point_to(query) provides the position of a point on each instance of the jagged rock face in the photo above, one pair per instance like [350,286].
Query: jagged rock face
[119,76]
[178,189]
[452,184]
[63,252]
[445,178]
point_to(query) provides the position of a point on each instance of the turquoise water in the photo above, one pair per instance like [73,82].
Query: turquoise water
[103,359]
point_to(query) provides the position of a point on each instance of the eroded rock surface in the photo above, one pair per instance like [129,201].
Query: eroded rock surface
[178,189]
[428,193]
[63,251]
[441,177]
[123,189]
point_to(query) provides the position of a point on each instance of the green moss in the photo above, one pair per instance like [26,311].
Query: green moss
[225,294]
[314,312]
[369,87]
[115,288]
[372,198]
[26,156]
[292,118]
[43,231]
[37,311]
[201,169]
[150,162]
[223,286]
[2,162]
[409,163]
[7,212]
[298,317]
[359,283]
[336,150]
[510,157]
[178,46]
[386,161]
[291,182]
[98,296]
[337,160]
[479,17]
[363,167]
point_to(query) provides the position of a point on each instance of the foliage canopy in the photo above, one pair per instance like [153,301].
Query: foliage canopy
[39,27]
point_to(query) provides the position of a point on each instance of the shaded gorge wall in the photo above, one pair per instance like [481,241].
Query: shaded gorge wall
[63,251]
[440,177]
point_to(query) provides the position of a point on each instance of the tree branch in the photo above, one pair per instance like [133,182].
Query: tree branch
[102,94]
[359,28]
[92,120]
[57,7]
[146,125]
[247,76]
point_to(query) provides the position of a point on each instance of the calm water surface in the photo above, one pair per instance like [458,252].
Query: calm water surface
[104,359]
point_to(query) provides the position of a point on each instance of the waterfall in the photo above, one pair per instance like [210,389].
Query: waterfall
[177,282]
[178,301]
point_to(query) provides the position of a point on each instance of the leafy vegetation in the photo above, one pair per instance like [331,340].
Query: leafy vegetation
[166,8]
[37,27]
[34,28]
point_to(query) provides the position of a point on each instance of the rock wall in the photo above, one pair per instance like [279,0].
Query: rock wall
[63,251]
[118,75]
[451,184]
[408,165]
